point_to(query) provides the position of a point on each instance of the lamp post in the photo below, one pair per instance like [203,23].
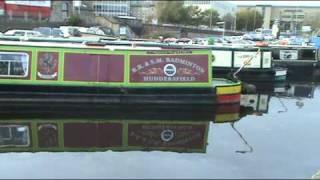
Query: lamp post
[235,22]
[222,23]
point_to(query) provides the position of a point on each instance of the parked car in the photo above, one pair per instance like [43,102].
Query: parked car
[49,32]
[200,41]
[184,41]
[267,34]
[253,36]
[100,30]
[28,33]
[170,40]
[70,31]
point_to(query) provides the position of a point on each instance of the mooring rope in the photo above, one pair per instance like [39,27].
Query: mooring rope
[283,105]
[245,63]
[243,139]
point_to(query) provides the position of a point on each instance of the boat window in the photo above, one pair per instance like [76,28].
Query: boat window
[19,33]
[14,64]
[14,135]
[48,135]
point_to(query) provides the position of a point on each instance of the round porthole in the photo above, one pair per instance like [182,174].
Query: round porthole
[170,70]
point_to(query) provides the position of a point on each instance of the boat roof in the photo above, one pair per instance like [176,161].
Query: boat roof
[76,45]
[106,43]
[291,46]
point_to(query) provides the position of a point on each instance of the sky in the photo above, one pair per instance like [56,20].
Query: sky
[291,3]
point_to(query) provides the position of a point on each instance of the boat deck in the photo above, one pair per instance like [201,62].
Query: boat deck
[217,82]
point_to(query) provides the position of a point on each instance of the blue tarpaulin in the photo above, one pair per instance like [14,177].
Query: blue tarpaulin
[316,41]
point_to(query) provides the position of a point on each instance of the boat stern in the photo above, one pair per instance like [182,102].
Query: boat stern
[227,91]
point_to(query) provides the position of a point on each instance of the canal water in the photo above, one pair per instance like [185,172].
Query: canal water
[271,134]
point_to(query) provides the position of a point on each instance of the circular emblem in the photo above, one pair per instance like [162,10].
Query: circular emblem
[170,70]
[167,135]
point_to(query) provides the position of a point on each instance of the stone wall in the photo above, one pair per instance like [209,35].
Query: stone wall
[180,32]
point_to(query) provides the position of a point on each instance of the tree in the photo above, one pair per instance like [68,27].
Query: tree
[176,13]
[170,11]
[74,20]
[210,17]
[248,20]
[313,21]
[229,21]
[192,15]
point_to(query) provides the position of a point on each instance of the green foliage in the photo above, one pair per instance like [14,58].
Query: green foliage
[74,20]
[248,20]
[169,11]
[211,41]
[210,17]
[312,21]
[193,16]
[175,12]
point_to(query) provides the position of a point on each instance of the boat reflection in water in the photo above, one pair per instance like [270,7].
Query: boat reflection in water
[64,127]
[102,128]
[259,102]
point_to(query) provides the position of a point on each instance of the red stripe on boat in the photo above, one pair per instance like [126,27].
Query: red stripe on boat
[233,98]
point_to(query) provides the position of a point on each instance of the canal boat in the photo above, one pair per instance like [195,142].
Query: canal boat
[297,59]
[256,64]
[59,71]
[226,61]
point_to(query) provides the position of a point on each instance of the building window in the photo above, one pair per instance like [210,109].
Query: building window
[13,64]
[64,6]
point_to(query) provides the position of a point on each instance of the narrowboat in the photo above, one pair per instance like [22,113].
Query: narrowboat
[258,64]
[297,59]
[225,61]
[60,71]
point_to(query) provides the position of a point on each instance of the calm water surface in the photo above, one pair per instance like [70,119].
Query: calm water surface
[278,137]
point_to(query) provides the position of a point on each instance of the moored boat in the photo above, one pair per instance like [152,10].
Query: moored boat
[255,63]
[101,73]
[297,59]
